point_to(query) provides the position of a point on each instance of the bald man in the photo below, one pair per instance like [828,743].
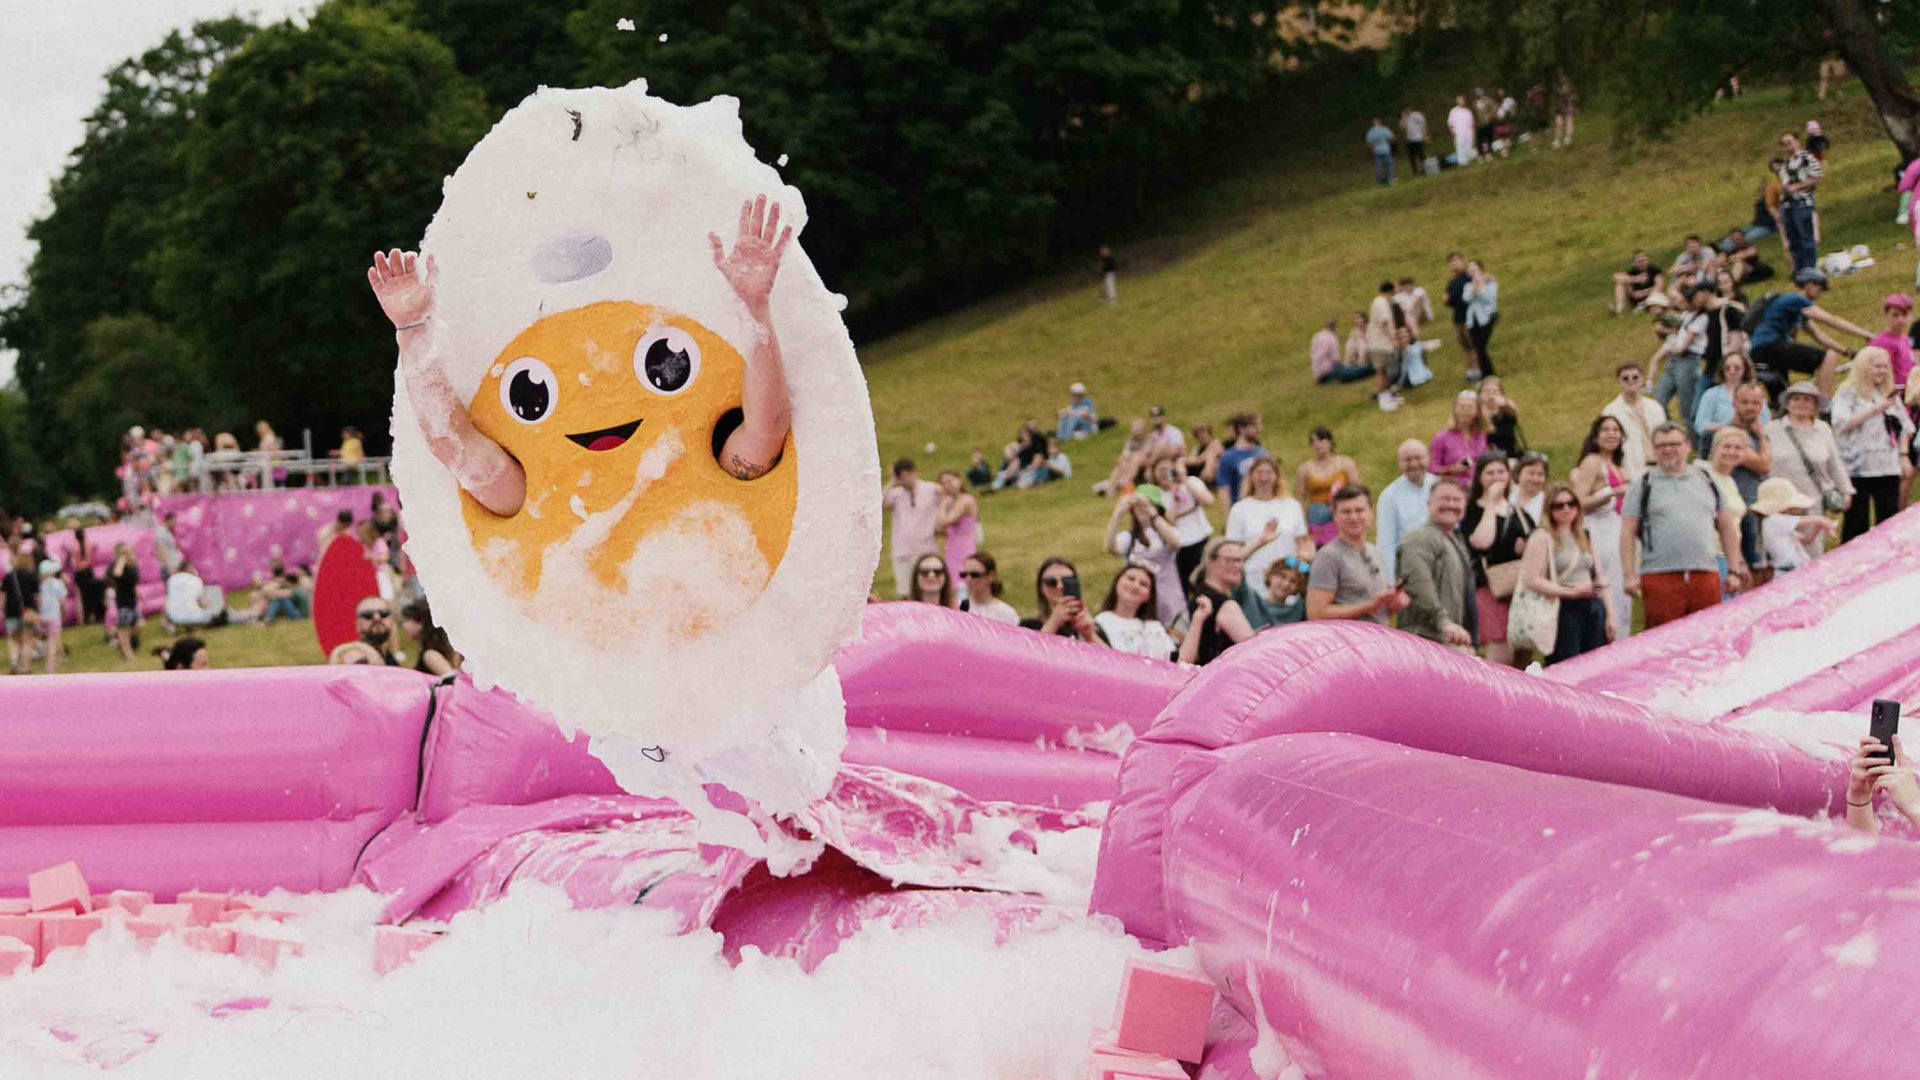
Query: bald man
[1403,505]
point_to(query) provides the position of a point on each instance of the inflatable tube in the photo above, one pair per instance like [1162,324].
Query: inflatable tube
[246,778]
[1886,670]
[918,667]
[1438,916]
[1394,687]
[1670,663]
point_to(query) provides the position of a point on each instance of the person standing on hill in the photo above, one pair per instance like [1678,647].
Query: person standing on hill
[1244,446]
[1638,415]
[1109,276]
[1380,141]
[1457,281]
[1482,294]
[915,506]
[1674,511]
[1414,304]
[1483,111]
[1413,128]
[1799,175]
[1460,123]
[1380,348]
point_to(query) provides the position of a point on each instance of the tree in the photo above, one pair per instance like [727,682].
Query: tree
[937,141]
[509,47]
[314,146]
[95,250]
[132,369]
[27,485]
[1661,60]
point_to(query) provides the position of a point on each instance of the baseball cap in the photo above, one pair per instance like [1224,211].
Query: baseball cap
[1077,388]
[1155,410]
[1900,300]
[1807,275]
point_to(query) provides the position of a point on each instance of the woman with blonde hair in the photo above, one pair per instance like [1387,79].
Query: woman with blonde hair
[1871,425]
[1728,449]
[1268,521]
[1560,564]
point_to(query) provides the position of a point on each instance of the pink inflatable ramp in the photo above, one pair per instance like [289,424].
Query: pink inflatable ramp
[1384,911]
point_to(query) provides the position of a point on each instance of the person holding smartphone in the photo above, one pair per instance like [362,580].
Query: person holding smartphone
[1872,773]
[1062,611]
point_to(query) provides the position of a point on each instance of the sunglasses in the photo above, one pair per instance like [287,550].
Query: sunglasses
[932,571]
[1054,582]
[1564,504]
[1630,378]
[376,613]
[971,575]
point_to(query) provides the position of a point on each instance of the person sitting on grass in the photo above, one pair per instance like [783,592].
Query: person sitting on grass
[1328,364]
[1079,419]
[192,602]
[373,621]
[1632,286]
[1133,458]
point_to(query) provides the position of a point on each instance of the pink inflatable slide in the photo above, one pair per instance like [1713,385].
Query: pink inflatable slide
[1392,861]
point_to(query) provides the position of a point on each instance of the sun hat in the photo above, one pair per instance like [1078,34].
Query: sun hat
[1801,387]
[1077,388]
[1777,493]
[1656,299]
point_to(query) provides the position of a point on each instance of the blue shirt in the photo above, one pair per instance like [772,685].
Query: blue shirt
[1379,139]
[1233,462]
[1716,410]
[1782,317]
[1402,509]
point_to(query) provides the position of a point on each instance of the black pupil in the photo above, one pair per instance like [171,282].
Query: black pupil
[667,368]
[529,396]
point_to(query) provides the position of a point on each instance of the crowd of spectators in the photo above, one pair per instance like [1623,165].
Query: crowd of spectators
[1483,125]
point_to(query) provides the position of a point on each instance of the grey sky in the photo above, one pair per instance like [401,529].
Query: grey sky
[53,78]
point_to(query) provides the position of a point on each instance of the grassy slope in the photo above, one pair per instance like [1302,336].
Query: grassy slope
[1223,288]
[1224,323]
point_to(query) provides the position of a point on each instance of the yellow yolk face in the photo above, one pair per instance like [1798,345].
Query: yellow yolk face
[612,410]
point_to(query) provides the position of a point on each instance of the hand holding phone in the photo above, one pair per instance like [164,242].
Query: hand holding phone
[1071,587]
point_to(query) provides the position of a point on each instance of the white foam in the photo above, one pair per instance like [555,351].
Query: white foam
[528,988]
[647,180]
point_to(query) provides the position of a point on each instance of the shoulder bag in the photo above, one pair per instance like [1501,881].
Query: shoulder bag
[1830,500]
[1533,620]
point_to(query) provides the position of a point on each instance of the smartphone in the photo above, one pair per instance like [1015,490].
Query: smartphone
[1886,724]
[1071,587]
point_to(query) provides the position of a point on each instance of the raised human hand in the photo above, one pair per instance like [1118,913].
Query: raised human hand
[755,259]
[403,286]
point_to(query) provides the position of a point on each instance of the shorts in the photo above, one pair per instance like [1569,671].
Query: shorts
[14,625]
[126,618]
[1493,616]
[1789,356]
[1384,361]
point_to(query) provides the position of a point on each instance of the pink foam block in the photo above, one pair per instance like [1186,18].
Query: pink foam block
[206,906]
[262,950]
[148,929]
[131,901]
[1124,1065]
[1163,1011]
[238,914]
[24,929]
[177,916]
[15,905]
[15,957]
[69,931]
[213,939]
[59,888]
[396,945]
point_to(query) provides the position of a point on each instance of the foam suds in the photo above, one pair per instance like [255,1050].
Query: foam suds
[528,989]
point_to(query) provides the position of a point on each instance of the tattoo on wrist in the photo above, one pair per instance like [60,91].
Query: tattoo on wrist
[742,469]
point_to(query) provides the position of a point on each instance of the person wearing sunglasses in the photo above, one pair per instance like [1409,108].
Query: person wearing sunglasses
[1056,591]
[980,575]
[931,582]
[1560,563]
[373,622]
[1638,415]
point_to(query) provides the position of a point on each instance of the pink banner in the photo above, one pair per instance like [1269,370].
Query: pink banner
[230,537]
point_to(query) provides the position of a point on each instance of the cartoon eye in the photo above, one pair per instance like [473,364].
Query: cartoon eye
[528,390]
[667,360]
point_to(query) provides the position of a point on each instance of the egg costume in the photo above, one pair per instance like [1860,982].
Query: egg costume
[684,618]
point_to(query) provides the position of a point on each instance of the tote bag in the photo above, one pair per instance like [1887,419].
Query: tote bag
[1533,620]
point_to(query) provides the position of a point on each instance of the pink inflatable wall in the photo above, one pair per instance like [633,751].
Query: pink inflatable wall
[230,537]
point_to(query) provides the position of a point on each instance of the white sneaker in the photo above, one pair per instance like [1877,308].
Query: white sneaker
[1388,402]
[1431,344]
[1100,488]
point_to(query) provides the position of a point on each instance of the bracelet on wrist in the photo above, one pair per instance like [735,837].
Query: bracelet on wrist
[1869,802]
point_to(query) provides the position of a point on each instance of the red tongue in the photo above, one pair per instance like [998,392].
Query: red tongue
[607,442]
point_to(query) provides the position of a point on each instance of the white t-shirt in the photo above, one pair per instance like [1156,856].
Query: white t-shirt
[1190,518]
[1784,549]
[1141,637]
[1248,519]
[183,598]
[1169,436]
[996,609]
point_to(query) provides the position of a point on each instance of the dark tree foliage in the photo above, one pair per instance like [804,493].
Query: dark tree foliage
[509,47]
[96,249]
[1659,61]
[313,147]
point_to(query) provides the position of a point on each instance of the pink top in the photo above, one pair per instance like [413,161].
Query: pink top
[1900,350]
[913,518]
[1910,180]
[1452,446]
[963,539]
[1325,353]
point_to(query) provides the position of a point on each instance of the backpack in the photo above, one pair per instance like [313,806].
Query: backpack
[1646,493]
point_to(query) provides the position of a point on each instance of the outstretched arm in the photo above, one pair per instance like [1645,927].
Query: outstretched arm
[767,411]
[484,470]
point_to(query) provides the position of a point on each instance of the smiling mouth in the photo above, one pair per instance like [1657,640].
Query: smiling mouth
[607,438]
